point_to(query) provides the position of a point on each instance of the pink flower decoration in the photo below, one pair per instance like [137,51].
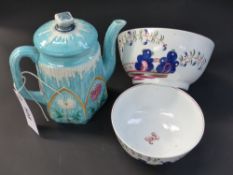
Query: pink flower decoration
[96,91]
[151,138]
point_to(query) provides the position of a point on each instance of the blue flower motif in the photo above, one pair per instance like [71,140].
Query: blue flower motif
[168,64]
[144,61]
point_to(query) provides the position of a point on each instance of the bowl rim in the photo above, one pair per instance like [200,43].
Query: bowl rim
[171,29]
[183,93]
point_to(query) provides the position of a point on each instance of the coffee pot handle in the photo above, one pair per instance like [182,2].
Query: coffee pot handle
[16,56]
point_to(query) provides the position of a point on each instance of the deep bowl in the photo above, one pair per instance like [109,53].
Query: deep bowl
[164,56]
[157,124]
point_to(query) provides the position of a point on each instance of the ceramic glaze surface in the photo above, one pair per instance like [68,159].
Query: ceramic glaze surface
[71,71]
[80,89]
[164,56]
[163,126]
[51,41]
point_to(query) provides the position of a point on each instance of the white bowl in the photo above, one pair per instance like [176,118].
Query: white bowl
[157,124]
[164,56]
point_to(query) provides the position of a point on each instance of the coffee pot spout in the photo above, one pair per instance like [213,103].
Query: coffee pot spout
[109,52]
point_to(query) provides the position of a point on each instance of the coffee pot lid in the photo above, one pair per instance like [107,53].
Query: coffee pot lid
[65,36]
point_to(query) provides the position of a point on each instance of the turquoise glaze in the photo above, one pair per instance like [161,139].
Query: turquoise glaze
[72,73]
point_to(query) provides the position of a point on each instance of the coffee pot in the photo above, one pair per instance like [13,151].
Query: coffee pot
[72,73]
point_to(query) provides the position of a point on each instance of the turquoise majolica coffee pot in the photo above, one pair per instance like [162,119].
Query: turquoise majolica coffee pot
[72,74]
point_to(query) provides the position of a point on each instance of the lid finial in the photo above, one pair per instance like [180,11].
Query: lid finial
[64,22]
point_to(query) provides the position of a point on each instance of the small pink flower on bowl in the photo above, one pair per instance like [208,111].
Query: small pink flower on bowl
[96,91]
[151,138]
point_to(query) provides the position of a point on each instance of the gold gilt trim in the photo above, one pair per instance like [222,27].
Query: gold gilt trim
[96,78]
[68,91]
[83,105]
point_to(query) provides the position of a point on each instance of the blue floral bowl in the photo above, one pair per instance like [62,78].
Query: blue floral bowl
[163,56]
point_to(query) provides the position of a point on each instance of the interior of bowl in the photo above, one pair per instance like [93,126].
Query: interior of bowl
[157,121]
